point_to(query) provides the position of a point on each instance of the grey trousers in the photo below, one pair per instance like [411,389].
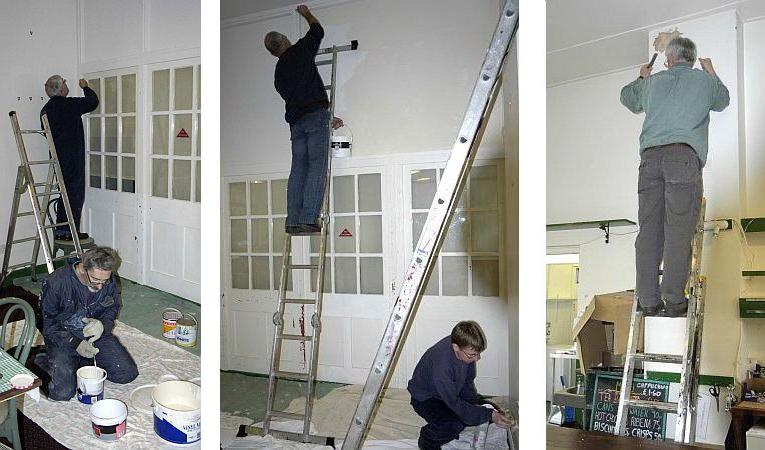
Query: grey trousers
[670,188]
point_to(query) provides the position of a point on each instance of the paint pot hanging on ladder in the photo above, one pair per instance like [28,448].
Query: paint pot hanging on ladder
[342,141]
[186,331]
[169,318]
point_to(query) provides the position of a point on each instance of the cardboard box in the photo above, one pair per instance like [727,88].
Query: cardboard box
[590,328]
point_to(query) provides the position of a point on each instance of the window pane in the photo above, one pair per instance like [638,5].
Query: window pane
[418,221]
[128,93]
[423,188]
[110,181]
[110,133]
[432,287]
[486,277]
[483,187]
[278,274]
[95,134]
[327,274]
[455,275]
[199,87]
[95,84]
[485,238]
[181,179]
[199,134]
[128,135]
[110,95]
[345,273]
[159,139]
[240,272]
[182,135]
[260,274]
[95,171]
[344,196]
[370,234]
[160,90]
[259,229]
[345,234]
[279,197]
[237,199]
[128,174]
[462,196]
[238,236]
[457,236]
[278,234]
[369,193]
[159,178]
[371,272]
[198,197]
[259,198]
[184,87]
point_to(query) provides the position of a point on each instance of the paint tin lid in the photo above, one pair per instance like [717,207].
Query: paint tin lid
[22,381]
[186,322]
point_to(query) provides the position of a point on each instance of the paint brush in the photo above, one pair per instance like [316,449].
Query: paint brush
[653,58]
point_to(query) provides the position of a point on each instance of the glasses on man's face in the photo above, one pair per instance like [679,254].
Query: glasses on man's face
[476,355]
[95,281]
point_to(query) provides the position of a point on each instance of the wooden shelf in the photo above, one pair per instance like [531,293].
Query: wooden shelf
[751,308]
[596,224]
[753,273]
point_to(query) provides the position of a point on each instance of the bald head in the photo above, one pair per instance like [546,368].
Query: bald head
[276,43]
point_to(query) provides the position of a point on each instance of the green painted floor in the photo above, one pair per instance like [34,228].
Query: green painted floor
[245,395]
[142,306]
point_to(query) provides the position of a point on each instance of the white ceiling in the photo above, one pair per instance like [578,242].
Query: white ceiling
[586,37]
[236,8]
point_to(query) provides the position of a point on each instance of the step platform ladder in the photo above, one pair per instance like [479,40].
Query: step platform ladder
[40,196]
[436,225]
[685,408]
[308,378]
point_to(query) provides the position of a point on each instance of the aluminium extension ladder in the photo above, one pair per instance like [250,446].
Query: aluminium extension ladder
[436,224]
[309,377]
[25,183]
[685,408]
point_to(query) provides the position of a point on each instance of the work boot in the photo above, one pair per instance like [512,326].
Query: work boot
[309,228]
[64,237]
[292,229]
[82,236]
[676,309]
[648,311]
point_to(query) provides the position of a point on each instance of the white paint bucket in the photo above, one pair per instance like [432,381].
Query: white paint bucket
[342,141]
[90,384]
[169,317]
[109,419]
[186,331]
[177,416]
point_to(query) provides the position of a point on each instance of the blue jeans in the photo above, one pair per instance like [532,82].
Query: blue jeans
[443,425]
[305,188]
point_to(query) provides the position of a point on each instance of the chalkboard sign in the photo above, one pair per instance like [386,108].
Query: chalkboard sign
[641,422]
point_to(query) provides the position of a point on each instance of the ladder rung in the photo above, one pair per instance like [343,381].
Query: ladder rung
[19,241]
[43,184]
[659,357]
[295,337]
[324,62]
[661,406]
[47,227]
[43,194]
[302,266]
[63,257]
[287,415]
[25,213]
[328,86]
[44,161]
[32,132]
[291,375]
[300,301]
[18,266]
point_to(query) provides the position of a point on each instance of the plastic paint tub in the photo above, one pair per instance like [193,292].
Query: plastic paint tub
[109,419]
[169,318]
[186,331]
[90,384]
[341,146]
[177,416]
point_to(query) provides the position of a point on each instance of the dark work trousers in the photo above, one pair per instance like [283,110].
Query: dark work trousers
[443,425]
[305,188]
[670,188]
[63,361]
[74,180]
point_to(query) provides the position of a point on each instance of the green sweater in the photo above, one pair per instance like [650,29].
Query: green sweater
[676,102]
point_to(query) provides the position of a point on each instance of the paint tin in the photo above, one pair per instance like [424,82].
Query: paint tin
[169,318]
[342,141]
[90,384]
[186,331]
[109,419]
[177,416]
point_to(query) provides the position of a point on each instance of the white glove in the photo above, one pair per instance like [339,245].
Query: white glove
[93,329]
[87,350]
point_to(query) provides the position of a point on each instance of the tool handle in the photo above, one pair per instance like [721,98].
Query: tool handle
[653,58]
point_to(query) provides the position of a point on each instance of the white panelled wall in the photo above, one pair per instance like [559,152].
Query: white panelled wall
[592,161]
[403,94]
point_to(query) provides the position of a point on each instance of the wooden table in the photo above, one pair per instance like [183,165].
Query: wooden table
[572,438]
[743,415]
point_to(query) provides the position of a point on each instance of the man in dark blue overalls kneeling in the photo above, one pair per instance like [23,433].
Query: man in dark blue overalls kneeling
[80,303]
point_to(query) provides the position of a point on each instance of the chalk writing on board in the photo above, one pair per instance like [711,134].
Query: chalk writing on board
[642,423]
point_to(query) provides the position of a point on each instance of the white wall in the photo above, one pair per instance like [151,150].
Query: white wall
[403,90]
[754,67]
[36,45]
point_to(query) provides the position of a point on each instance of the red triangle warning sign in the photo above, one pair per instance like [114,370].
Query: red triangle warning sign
[182,133]
[345,233]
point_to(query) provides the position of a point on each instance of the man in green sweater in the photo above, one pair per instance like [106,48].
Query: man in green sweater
[673,151]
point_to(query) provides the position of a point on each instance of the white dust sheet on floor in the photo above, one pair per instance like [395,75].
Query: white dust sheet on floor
[395,425]
[69,422]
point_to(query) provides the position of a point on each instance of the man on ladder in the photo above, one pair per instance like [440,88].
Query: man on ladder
[673,151]
[65,118]
[297,80]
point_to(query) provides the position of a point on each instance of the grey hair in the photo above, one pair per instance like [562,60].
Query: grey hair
[274,41]
[682,49]
[102,258]
[53,86]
